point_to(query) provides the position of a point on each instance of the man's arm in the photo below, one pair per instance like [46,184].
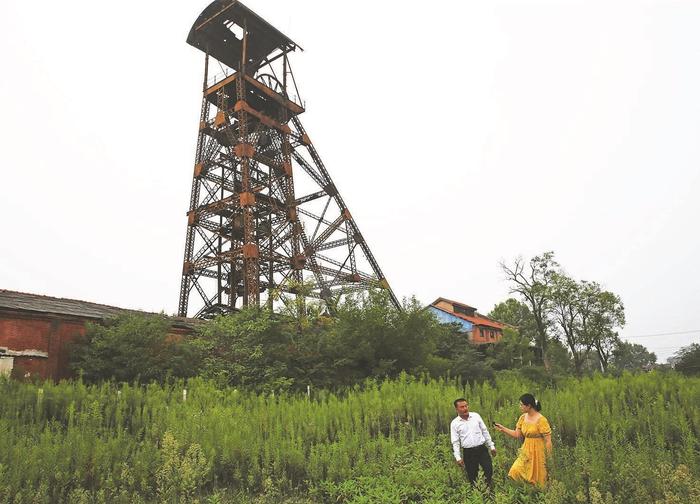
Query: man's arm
[454,439]
[487,436]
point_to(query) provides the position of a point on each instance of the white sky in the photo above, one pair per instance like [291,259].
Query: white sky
[459,133]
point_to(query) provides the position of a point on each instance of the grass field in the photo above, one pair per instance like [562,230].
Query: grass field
[629,439]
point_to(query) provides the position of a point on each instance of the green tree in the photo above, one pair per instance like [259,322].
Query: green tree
[559,358]
[456,357]
[632,357]
[568,301]
[367,337]
[250,348]
[517,314]
[372,338]
[586,317]
[532,281]
[687,359]
[133,347]
[603,314]
[512,351]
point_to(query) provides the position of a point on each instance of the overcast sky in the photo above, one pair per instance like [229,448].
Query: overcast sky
[459,133]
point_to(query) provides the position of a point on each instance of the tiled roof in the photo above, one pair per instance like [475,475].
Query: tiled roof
[22,301]
[480,320]
[453,302]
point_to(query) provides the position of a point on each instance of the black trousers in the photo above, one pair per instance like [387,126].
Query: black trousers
[475,457]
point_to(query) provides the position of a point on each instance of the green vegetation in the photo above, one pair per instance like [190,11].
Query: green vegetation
[554,310]
[627,439]
[366,338]
[131,347]
[264,352]
[687,359]
[139,427]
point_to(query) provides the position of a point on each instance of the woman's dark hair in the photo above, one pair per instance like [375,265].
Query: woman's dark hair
[529,400]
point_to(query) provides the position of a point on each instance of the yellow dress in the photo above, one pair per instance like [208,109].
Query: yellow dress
[530,464]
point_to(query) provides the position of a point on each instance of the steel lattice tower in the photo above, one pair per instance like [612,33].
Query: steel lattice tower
[265,224]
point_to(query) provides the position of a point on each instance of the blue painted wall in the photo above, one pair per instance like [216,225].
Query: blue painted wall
[448,318]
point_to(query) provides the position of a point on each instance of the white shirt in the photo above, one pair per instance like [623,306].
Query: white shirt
[469,433]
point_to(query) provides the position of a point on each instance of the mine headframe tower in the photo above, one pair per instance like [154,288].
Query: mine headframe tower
[266,224]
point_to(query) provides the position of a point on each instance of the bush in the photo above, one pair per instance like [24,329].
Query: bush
[132,347]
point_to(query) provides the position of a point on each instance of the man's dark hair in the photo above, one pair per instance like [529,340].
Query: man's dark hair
[461,399]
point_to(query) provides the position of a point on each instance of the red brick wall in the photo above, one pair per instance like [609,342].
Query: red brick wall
[43,332]
[29,367]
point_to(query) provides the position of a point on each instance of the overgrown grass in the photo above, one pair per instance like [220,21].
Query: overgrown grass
[628,439]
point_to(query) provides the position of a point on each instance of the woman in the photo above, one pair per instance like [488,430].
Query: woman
[534,427]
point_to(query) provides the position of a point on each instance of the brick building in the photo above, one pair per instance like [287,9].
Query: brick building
[35,331]
[480,329]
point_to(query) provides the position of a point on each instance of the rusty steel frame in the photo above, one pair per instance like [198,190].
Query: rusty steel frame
[249,238]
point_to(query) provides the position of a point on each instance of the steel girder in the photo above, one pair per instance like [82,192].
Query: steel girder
[265,219]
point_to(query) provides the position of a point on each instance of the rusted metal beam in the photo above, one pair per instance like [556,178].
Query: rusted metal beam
[247,231]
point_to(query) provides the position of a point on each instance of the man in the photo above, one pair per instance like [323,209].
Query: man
[471,442]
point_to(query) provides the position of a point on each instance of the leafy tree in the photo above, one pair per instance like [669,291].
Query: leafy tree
[133,347]
[512,351]
[367,337]
[262,351]
[532,282]
[413,337]
[604,313]
[581,314]
[372,338]
[586,317]
[249,348]
[456,357]
[558,358]
[687,359]
[631,357]
[517,314]
[568,301]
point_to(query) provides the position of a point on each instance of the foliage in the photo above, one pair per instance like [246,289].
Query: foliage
[570,301]
[247,348]
[265,352]
[367,337]
[455,357]
[558,358]
[372,338]
[687,359]
[179,474]
[581,314]
[632,357]
[132,347]
[532,281]
[381,442]
[605,313]
[517,314]
[512,351]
